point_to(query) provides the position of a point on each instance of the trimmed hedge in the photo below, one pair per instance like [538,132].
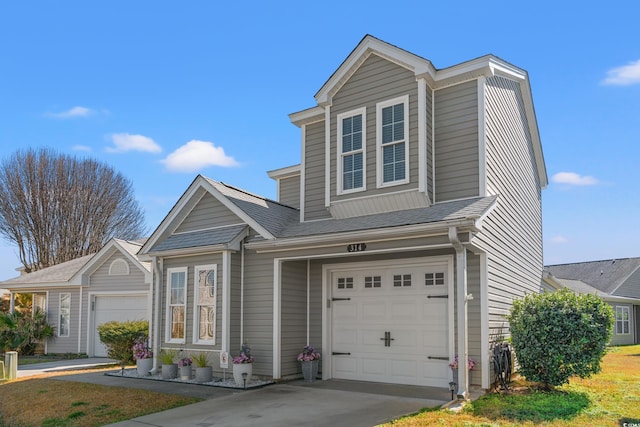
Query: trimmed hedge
[119,338]
[557,335]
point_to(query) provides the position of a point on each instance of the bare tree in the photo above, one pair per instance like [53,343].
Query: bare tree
[56,207]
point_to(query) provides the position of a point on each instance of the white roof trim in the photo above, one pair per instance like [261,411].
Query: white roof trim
[286,172]
[368,45]
[101,257]
[305,117]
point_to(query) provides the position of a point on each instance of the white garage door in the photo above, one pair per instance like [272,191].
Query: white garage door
[120,308]
[390,324]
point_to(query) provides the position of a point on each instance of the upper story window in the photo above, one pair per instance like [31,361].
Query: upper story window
[176,304]
[392,124]
[351,152]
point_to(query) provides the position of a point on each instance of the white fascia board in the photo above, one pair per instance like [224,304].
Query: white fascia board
[175,212]
[285,172]
[419,66]
[191,251]
[390,233]
[304,117]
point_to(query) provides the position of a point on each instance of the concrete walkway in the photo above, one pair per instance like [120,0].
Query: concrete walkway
[321,403]
[63,365]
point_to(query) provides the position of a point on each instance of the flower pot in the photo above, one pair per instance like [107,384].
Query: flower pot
[242,368]
[204,374]
[144,366]
[310,370]
[185,373]
[169,371]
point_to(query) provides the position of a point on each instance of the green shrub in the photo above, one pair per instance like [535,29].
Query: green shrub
[560,334]
[23,331]
[119,338]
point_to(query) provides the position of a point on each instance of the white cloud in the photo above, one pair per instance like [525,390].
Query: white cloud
[559,240]
[624,76]
[573,178]
[196,155]
[71,113]
[81,148]
[124,142]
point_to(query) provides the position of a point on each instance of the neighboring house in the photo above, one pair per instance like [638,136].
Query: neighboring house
[617,281]
[81,294]
[400,240]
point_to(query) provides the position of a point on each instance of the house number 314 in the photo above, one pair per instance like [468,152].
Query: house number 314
[356,247]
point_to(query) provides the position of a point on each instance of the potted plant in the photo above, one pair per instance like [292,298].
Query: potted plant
[243,366]
[169,368]
[185,368]
[309,359]
[471,364]
[143,355]
[203,370]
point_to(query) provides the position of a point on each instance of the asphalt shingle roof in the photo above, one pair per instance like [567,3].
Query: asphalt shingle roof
[459,209]
[59,273]
[271,215]
[604,275]
[193,239]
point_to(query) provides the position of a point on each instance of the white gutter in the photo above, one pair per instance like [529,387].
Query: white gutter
[461,305]
[395,232]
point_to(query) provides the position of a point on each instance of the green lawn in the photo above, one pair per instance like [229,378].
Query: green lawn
[609,398]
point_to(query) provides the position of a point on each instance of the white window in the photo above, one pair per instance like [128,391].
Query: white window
[345,282]
[622,320]
[64,317]
[392,126]
[176,304]
[205,288]
[351,151]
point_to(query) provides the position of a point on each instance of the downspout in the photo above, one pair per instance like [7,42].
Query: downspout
[242,292]
[12,302]
[156,280]
[461,308]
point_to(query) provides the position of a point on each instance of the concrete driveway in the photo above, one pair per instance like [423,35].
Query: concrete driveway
[292,404]
[322,403]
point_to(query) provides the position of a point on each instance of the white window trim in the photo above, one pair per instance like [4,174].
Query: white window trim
[114,266]
[379,172]
[628,321]
[168,338]
[68,334]
[196,311]
[339,182]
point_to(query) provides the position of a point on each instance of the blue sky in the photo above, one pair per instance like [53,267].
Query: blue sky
[162,91]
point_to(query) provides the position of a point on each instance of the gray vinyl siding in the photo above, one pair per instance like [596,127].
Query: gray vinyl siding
[289,189]
[236,279]
[101,281]
[258,310]
[456,142]
[473,315]
[376,80]
[512,232]
[64,344]
[623,339]
[630,287]
[293,315]
[191,262]
[314,153]
[208,213]
[429,128]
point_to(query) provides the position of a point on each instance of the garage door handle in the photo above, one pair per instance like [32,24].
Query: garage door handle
[438,357]
[437,296]
[340,299]
[337,353]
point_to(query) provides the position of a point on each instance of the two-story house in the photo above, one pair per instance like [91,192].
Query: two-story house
[399,241]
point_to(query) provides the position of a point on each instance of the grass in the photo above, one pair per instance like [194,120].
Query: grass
[44,401]
[608,398]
